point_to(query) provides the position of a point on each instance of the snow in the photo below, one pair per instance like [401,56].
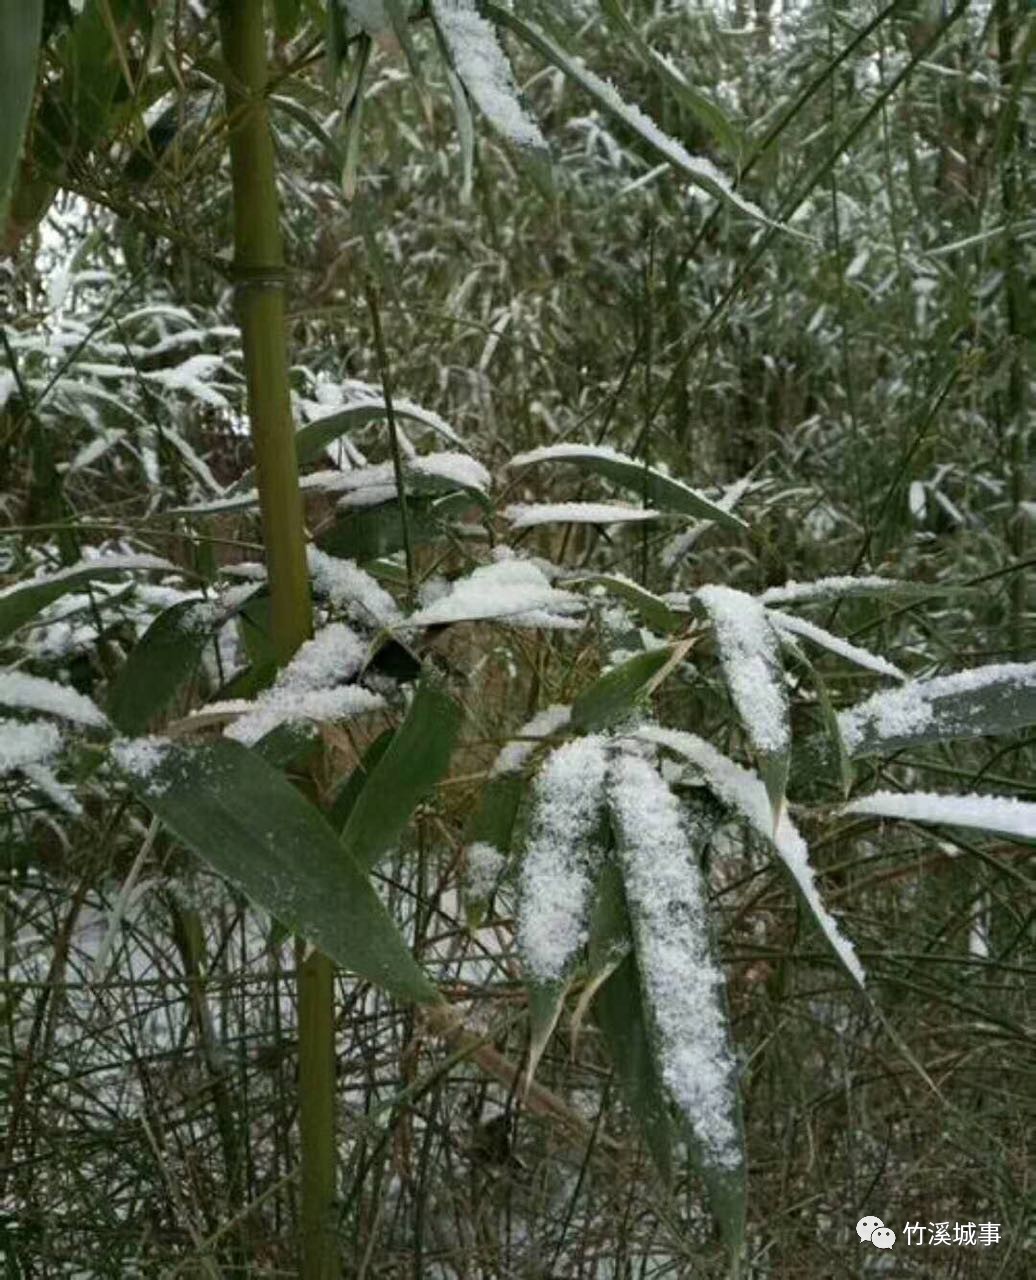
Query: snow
[526,515]
[787,622]
[94,564]
[354,393]
[485,864]
[750,657]
[36,694]
[141,758]
[513,757]
[828,589]
[698,168]
[507,589]
[485,72]
[745,792]
[46,781]
[1003,814]
[349,587]
[683,985]
[311,686]
[555,881]
[23,745]
[901,713]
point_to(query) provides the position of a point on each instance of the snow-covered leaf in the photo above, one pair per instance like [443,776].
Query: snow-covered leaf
[507,590]
[1000,698]
[34,693]
[23,600]
[527,515]
[1004,815]
[250,823]
[482,68]
[699,169]
[653,609]
[745,793]
[749,653]
[561,854]
[682,985]
[788,623]
[663,491]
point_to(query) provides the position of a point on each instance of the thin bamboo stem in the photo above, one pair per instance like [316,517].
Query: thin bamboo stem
[260,279]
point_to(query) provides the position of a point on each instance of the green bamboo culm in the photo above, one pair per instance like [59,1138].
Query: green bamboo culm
[260,279]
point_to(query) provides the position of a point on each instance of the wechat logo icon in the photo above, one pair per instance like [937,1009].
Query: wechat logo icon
[873,1229]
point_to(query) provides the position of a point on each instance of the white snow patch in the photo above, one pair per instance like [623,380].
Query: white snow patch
[24,745]
[513,757]
[485,864]
[829,589]
[682,983]
[507,589]
[141,758]
[485,72]
[750,657]
[555,881]
[311,686]
[524,515]
[352,588]
[1003,814]
[36,694]
[787,622]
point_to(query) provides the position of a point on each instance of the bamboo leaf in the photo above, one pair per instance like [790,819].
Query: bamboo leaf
[1000,698]
[1004,815]
[251,825]
[653,486]
[412,764]
[701,171]
[21,23]
[616,693]
[161,662]
[749,653]
[22,601]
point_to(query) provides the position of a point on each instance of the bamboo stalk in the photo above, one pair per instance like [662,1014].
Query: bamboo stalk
[260,280]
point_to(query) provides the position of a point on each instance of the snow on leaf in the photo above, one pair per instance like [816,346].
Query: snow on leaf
[745,792]
[823,589]
[524,515]
[509,589]
[483,69]
[484,865]
[513,757]
[23,745]
[701,171]
[749,653]
[653,484]
[682,984]
[311,687]
[36,694]
[1002,814]
[556,879]
[349,587]
[991,699]
[789,623]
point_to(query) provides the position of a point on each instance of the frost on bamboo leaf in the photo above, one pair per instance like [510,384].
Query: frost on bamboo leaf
[682,984]
[562,855]
[749,653]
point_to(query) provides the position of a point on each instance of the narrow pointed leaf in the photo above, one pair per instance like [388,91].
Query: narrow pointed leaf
[21,23]
[251,825]
[616,693]
[995,699]
[749,653]
[745,793]
[653,486]
[412,764]
[1003,815]
[658,844]
[700,170]
[21,602]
